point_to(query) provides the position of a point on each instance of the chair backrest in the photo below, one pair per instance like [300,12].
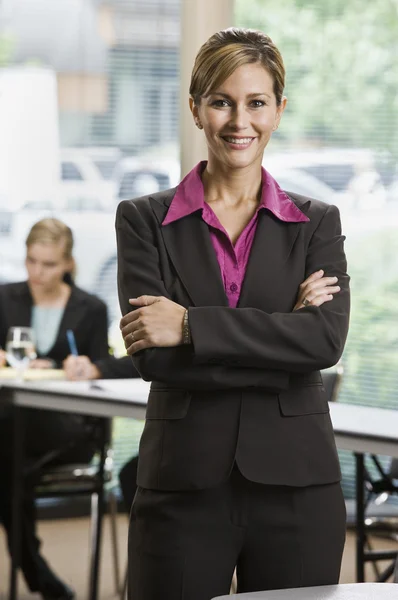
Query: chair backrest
[332,379]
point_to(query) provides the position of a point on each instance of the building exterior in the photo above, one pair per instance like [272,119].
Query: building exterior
[117,66]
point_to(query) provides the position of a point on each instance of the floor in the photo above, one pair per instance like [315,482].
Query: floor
[65,545]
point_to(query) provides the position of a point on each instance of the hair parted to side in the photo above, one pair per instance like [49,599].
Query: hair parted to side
[53,231]
[229,49]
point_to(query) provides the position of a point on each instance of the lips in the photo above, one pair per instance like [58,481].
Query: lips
[237,143]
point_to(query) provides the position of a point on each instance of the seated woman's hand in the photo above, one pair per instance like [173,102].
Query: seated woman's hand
[41,363]
[80,368]
[316,290]
[157,322]
[3,360]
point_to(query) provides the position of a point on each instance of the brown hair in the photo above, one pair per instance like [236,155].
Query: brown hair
[53,231]
[229,49]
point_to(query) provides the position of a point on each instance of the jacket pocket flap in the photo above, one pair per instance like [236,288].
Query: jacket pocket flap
[167,404]
[305,400]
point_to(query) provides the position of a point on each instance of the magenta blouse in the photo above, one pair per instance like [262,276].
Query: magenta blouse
[232,258]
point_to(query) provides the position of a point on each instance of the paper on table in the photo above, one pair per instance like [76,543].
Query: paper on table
[33,374]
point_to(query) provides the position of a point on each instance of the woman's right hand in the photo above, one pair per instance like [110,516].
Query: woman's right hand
[316,290]
[3,360]
[80,368]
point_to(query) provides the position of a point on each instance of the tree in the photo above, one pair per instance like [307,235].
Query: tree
[6,49]
[342,68]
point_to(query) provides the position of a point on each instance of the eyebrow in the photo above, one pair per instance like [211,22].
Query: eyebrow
[254,95]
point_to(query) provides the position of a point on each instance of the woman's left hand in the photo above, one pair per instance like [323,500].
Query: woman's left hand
[316,290]
[156,323]
[41,363]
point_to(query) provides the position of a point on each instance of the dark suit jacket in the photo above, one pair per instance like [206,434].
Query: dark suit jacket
[248,388]
[116,368]
[84,313]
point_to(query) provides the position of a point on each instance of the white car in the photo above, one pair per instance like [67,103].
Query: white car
[137,177]
[349,173]
[86,176]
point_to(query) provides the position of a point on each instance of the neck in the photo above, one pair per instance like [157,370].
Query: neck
[56,296]
[233,186]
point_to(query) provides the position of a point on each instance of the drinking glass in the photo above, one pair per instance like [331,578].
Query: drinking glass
[20,348]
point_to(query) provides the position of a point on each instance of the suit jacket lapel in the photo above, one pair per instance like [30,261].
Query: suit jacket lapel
[73,313]
[272,245]
[20,311]
[189,246]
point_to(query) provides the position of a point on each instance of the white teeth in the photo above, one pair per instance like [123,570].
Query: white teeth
[241,141]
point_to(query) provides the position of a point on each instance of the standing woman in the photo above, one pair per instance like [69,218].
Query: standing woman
[241,296]
[51,304]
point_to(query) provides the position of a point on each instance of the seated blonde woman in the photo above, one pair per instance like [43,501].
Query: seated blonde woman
[51,304]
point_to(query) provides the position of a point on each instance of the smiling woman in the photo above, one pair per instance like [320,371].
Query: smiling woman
[236,309]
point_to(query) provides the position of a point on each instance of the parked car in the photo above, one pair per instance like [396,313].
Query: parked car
[136,177]
[85,176]
[350,173]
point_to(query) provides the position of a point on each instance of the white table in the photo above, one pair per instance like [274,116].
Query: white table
[102,398]
[349,591]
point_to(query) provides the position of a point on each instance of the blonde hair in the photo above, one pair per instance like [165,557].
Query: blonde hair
[53,231]
[229,49]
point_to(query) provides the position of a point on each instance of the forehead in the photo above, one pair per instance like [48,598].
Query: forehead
[248,79]
[48,251]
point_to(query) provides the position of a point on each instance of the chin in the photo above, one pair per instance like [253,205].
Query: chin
[242,162]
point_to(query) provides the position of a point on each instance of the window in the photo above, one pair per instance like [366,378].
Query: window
[107,90]
[70,172]
[341,127]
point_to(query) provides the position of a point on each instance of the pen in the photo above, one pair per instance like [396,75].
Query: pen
[72,342]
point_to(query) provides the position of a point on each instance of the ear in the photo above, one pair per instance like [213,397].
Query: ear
[279,112]
[195,112]
[193,108]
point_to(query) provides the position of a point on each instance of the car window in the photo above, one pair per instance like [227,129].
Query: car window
[105,167]
[82,204]
[336,176]
[70,172]
[139,183]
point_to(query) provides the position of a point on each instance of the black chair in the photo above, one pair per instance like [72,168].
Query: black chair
[86,480]
[381,483]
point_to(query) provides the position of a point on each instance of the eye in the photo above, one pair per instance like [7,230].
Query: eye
[257,103]
[220,103]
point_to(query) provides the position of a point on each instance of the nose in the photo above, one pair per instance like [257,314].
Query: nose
[37,271]
[239,118]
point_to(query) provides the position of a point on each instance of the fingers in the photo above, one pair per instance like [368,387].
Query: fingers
[139,339]
[141,301]
[321,299]
[129,318]
[145,300]
[318,292]
[313,277]
[77,368]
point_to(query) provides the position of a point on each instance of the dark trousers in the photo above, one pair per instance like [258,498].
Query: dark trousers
[185,545]
[45,431]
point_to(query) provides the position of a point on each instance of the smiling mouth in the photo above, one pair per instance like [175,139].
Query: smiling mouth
[238,141]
